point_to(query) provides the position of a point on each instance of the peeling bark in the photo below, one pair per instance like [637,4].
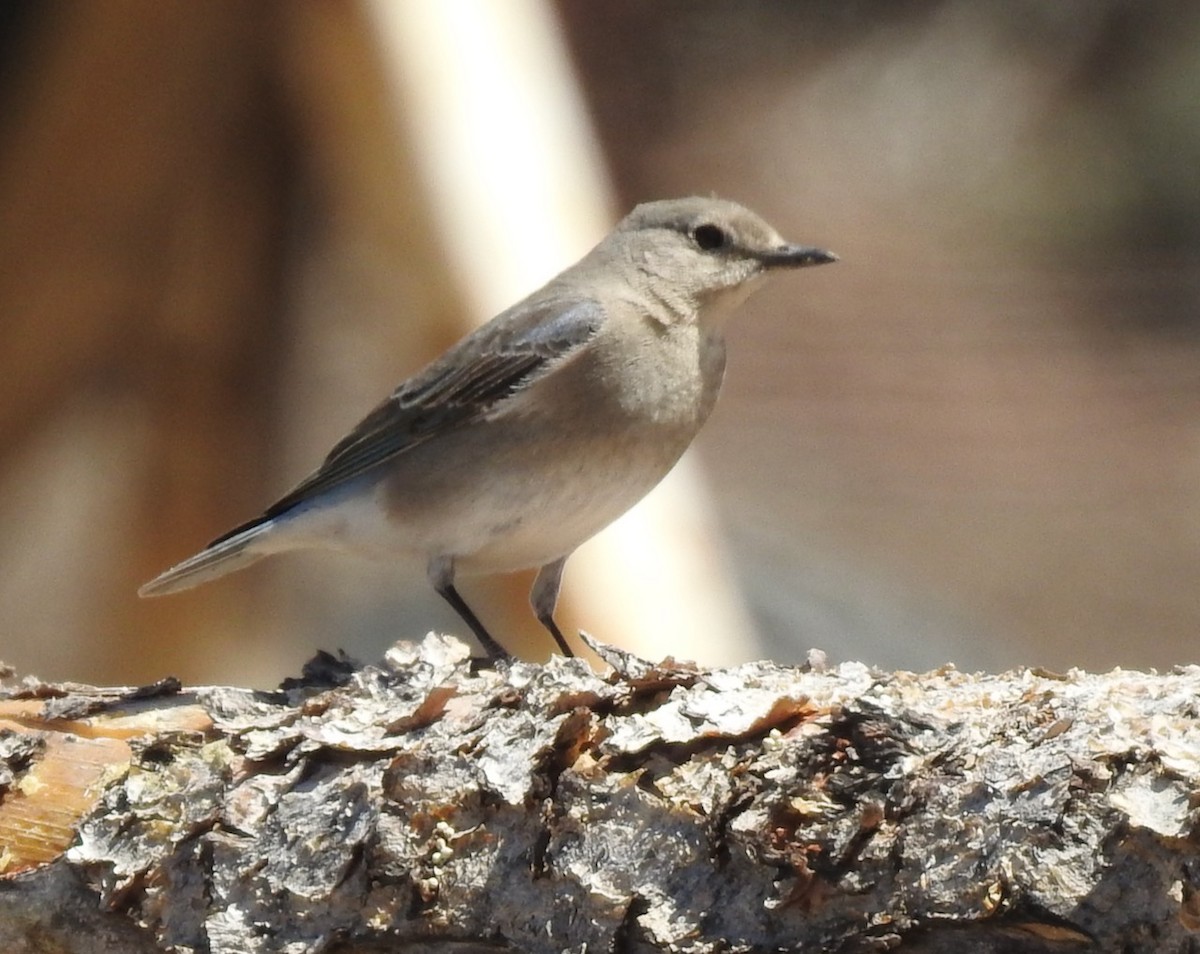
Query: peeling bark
[656,807]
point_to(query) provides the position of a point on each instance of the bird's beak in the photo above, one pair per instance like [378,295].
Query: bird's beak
[795,256]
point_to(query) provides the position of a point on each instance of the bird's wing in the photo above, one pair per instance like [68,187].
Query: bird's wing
[463,385]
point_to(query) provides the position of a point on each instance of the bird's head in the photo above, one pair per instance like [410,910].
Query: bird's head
[701,254]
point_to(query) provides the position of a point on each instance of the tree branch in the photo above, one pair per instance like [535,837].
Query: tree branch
[419,802]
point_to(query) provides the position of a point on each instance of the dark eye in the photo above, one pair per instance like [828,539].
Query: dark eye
[710,237]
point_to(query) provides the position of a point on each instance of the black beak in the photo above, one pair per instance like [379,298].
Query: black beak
[795,256]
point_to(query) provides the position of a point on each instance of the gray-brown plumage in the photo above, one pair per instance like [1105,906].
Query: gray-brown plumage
[540,428]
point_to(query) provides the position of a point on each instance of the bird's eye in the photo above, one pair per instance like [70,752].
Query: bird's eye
[709,237]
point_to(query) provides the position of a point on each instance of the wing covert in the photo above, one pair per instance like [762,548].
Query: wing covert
[462,385]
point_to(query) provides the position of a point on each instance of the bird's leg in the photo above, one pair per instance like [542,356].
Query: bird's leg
[441,575]
[544,597]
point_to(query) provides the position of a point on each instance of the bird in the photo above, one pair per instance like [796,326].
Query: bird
[541,427]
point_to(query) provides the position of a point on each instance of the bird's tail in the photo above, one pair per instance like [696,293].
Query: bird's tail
[224,555]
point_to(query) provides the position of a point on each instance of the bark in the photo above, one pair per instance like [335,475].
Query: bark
[425,802]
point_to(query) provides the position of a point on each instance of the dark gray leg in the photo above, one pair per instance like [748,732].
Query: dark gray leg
[544,597]
[441,575]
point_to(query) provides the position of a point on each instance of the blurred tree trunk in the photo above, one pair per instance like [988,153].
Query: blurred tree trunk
[144,192]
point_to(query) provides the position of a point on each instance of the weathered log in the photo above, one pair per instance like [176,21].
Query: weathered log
[423,801]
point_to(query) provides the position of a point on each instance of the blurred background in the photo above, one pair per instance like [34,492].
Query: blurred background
[227,230]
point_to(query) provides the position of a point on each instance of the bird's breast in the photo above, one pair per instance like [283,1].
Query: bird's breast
[643,377]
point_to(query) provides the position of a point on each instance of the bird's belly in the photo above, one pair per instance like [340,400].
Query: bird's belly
[539,531]
[502,502]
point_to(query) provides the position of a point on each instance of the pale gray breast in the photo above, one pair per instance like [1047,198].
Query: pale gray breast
[657,380]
